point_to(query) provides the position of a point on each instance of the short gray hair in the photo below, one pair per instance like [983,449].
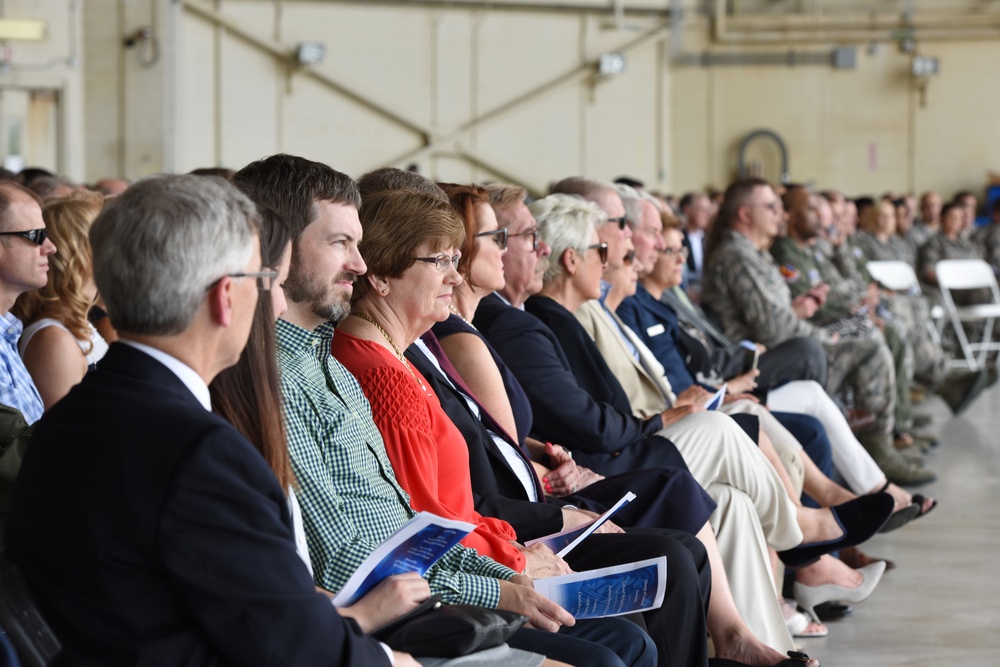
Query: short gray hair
[632,201]
[565,222]
[162,242]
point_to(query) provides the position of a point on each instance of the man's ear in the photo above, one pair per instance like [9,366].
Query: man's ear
[220,302]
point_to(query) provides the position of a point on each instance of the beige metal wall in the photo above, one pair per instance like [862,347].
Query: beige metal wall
[41,87]
[498,93]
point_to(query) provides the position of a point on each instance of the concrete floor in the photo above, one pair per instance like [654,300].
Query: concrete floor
[941,605]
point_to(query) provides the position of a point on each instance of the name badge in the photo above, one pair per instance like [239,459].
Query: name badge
[655,330]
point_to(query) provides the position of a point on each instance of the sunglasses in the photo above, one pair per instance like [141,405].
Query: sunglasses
[36,236]
[621,220]
[499,235]
[629,257]
[602,251]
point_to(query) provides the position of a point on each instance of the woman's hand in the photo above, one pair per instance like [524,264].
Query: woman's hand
[693,395]
[392,598]
[567,477]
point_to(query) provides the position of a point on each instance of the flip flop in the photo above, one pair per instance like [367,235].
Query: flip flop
[900,518]
[919,500]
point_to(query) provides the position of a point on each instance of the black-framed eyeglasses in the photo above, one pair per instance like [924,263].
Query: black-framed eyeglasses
[602,251]
[265,278]
[442,262]
[499,235]
[36,236]
[535,234]
[629,257]
[621,220]
[681,252]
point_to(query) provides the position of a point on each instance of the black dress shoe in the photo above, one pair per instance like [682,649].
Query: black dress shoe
[860,519]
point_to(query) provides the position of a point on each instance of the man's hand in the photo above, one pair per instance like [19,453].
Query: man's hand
[540,562]
[392,598]
[676,414]
[805,305]
[820,292]
[693,395]
[519,595]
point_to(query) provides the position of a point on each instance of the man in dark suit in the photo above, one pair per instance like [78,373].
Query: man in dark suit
[149,529]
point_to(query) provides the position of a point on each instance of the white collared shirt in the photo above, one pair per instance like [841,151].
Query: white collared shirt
[184,373]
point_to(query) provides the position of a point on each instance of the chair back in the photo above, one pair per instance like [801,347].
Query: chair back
[31,636]
[894,275]
[964,274]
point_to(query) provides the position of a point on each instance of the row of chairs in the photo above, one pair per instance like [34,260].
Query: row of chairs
[952,274]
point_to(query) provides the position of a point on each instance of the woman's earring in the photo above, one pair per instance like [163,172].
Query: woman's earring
[385,291]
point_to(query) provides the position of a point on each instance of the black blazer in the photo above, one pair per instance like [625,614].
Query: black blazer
[496,490]
[153,533]
[576,400]
[666,497]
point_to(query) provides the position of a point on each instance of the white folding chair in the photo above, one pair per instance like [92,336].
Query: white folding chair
[964,274]
[900,277]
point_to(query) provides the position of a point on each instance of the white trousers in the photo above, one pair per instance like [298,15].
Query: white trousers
[717,451]
[850,458]
[741,545]
[789,449]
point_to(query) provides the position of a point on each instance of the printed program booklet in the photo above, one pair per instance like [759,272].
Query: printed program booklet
[414,547]
[717,399]
[609,591]
[564,542]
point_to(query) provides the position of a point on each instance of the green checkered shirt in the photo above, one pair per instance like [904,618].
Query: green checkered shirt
[350,498]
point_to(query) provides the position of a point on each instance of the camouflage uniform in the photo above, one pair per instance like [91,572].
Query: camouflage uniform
[940,247]
[896,250]
[803,268]
[744,288]
[849,258]
[989,245]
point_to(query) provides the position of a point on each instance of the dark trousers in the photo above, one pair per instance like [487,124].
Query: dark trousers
[678,627]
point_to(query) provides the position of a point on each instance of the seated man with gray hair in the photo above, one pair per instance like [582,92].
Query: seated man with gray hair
[148,528]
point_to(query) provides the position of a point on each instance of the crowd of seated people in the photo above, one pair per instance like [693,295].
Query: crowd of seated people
[227,388]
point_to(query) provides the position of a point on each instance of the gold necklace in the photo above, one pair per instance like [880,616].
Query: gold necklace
[395,348]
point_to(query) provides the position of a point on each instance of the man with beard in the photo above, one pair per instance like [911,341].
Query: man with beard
[350,498]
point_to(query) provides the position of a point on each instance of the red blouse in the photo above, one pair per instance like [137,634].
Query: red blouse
[428,453]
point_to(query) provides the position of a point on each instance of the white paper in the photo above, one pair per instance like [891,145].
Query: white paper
[565,541]
[717,399]
[609,591]
[414,547]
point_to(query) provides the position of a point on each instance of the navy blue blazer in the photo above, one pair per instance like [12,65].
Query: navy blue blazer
[577,401]
[152,532]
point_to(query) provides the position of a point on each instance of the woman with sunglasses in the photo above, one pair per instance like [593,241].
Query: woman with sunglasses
[59,344]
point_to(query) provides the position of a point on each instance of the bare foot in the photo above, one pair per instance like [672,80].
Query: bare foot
[829,570]
[747,649]
[903,498]
[818,525]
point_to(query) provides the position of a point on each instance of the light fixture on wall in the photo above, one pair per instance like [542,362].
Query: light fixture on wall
[310,53]
[924,66]
[22,29]
[611,63]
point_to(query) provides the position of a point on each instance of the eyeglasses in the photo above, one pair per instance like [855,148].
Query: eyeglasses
[442,262]
[621,220]
[681,252]
[36,236]
[265,278]
[499,235]
[629,257]
[535,234]
[771,206]
[602,251]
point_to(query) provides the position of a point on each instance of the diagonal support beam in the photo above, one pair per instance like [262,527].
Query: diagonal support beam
[577,73]
[281,53]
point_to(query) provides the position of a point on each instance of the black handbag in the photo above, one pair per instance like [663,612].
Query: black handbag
[435,630]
